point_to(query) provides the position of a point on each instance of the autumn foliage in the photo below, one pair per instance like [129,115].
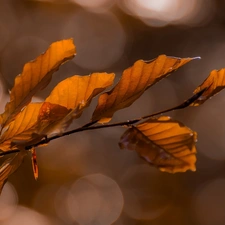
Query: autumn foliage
[161,141]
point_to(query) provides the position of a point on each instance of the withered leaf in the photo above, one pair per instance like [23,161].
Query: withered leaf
[134,81]
[35,76]
[164,143]
[213,84]
[9,166]
[69,98]
[21,130]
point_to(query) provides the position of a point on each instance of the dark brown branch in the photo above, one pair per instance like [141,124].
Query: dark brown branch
[89,126]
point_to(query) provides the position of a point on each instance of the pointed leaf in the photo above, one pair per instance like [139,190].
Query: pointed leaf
[69,98]
[164,143]
[213,84]
[135,80]
[10,166]
[21,130]
[35,76]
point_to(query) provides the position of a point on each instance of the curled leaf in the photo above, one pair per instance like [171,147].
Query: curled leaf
[134,81]
[164,143]
[35,76]
[213,84]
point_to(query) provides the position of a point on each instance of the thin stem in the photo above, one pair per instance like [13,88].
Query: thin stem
[89,126]
[181,106]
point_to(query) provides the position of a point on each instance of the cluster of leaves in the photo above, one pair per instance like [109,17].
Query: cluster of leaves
[162,141]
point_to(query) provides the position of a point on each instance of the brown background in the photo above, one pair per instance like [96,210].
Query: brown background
[85,178]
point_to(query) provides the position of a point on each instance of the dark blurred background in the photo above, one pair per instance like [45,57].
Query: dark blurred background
[85,178]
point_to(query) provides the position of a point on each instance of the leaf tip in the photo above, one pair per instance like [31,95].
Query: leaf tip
[197,57]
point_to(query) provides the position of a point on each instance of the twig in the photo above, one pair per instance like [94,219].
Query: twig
[89,126]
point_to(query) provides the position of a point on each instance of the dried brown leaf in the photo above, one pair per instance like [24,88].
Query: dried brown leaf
[164,143]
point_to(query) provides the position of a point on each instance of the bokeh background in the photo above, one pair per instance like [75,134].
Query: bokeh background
[85,178]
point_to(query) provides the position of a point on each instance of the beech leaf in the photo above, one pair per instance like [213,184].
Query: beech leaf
[35,76]
[134,81]
[213,84]
[164,143]
[72,96]
[21,130]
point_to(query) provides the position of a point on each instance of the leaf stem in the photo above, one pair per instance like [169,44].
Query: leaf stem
[89,126]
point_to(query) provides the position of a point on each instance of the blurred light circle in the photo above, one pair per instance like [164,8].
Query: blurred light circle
[162,12]
[61,206]
[209,203]
[95,199]
[100,39]
[95,4]
[43,199]
[8,201]
[25,216]
[146,197]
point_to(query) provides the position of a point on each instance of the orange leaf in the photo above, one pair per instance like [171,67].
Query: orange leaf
[35,76]
[9,166]
[135,80]
[69,98]
[22,129]
[164,143]
[78,90]
[213,84]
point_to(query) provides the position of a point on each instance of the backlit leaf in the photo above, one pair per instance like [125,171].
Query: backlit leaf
[134,81]
[70,97]
[76,90]
[22,129]
[164,143]
[35,76]
[10,166]
[213,84]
